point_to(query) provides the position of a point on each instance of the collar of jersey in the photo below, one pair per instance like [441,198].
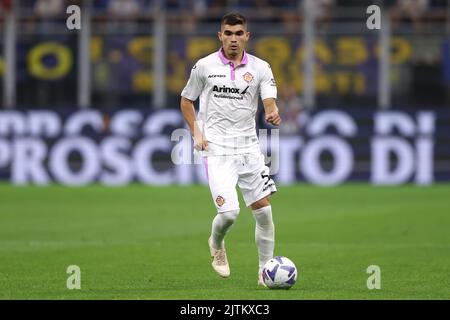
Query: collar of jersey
[226,61]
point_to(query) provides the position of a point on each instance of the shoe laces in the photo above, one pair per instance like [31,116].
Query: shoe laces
[220,257]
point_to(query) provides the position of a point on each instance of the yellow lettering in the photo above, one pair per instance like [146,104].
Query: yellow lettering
[142,81]
[401,50]
[63,57]
[276,51]
[351,50]
[323,82]
[296,71]
[343,82]
[323,55]
[199,47]
[141,48]
[96,48]
[321,51]
[176,80]
[360,84]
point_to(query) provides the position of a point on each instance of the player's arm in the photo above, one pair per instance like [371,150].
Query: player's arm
[268,92]
[189,94]
[271,111]
[187,108]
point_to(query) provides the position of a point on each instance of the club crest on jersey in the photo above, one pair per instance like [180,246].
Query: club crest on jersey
[220,201]
[248,77]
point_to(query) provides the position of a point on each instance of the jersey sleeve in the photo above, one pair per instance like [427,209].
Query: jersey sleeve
[268,87]
[195,84]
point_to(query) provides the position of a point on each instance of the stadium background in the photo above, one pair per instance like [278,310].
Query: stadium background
[99,105]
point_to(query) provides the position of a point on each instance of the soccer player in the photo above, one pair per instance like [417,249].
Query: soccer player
[229,83]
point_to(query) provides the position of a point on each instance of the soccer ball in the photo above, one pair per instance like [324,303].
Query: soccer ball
[279,273]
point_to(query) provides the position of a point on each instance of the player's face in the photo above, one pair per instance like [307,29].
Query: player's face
[234,39]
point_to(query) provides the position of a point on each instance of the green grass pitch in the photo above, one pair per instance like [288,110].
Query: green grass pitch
[141,242]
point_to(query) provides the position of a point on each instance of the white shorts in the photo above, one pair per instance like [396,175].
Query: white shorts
[247,170]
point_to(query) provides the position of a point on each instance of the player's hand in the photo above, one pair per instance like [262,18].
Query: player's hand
[200,143]
[273,118]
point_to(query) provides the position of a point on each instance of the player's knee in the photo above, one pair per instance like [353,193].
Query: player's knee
[264,202]
[230,216]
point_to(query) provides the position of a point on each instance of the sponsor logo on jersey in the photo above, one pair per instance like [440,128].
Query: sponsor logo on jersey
[216,76]
[225,89]
[248,77]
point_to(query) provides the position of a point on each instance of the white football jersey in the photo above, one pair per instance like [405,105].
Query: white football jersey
[229,100]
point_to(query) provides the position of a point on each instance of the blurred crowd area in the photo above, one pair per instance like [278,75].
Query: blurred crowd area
[122,51]
[189,13]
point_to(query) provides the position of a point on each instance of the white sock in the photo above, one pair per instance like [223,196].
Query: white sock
[264,234]
[220,226]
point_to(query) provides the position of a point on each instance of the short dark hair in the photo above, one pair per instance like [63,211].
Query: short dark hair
[233,19]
